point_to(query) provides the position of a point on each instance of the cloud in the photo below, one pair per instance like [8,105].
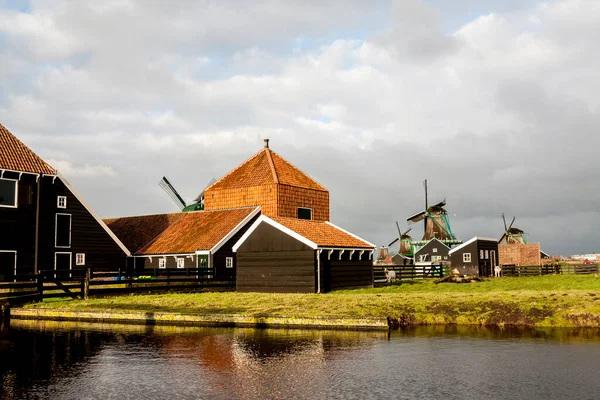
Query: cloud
[501,114]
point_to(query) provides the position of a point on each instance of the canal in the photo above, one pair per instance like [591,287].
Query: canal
[51,360]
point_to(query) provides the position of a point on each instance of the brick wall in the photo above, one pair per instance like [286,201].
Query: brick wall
[264,196]
[519,254]
[292,197]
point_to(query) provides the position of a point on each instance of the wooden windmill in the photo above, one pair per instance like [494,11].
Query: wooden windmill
[406,246]
[512,235]
[435,221]
[198,203]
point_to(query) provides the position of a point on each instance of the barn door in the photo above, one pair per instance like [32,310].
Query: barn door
[8,265]
[63,264]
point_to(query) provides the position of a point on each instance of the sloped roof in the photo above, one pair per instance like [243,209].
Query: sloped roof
[136,232]
[14,155]
[197,230]
[265,167]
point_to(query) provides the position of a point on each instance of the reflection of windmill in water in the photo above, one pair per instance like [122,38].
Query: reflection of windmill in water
[512,235]
[436,223]
[196,205]
[406,246]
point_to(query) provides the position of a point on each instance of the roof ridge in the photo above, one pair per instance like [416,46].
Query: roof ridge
[234,170]
[37,158]
[272,164]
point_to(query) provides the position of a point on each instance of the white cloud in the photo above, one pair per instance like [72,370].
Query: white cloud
[81,171]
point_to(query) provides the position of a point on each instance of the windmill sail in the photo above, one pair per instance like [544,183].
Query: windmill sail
[170,190]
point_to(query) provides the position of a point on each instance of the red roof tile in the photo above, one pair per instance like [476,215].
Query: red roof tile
[198,230]
[14,155]
[322,233]
[265,167]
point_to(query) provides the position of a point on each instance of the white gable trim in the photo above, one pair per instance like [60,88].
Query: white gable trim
[277,225]
[235,230]
[351,234]
[471,241]
[431,240]
[94,215]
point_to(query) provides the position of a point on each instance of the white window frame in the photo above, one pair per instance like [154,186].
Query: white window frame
[228,262]
[467,257]
[305,208]
[56,231]
[435,250]
[16,193]
[180,262]
[80,259]
[162,261]
[12,251]
[61,202]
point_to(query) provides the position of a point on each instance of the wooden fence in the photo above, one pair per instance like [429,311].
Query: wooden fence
[515,270]
[82,283]
[409,272]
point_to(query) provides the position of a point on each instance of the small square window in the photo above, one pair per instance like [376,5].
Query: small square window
[467,257]
[181,263]
[8,193]
[162,263]
[229,262]
[61,202]
[435,249]
[304,213]
[80,259]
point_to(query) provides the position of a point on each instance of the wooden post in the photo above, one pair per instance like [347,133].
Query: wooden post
[5,313]
[85,285]
[40,286]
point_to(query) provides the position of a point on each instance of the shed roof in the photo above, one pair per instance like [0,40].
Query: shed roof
[15,156]
[265,167]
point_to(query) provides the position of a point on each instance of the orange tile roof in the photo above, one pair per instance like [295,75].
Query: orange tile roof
[16,156]
[136,232]
[198,230]
[265,167]
[322,233]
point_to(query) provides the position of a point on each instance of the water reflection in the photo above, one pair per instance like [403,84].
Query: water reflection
[62,360]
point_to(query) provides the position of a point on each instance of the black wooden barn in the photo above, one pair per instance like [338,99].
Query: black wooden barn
[433,251]
[477,256]
[291,255]
[44,223]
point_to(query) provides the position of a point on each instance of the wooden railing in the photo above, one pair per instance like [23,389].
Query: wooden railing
[83,283]
[409,272]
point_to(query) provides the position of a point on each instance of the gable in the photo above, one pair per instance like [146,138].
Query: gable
[15,156]
[267,238]
[442,249]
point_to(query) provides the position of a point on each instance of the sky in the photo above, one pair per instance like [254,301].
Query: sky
[494,102]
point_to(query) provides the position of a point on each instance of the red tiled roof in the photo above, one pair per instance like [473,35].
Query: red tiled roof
[197,230]
[266,167]
[322,233]
[14,155]
[136,232]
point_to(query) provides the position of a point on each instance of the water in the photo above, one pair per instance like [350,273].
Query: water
[50,360]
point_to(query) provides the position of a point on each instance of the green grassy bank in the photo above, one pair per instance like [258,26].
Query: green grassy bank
[553,300]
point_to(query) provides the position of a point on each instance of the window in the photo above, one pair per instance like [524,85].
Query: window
[229,262]
[181,263]
[481,254]
[80,259]
[63,230]
[467,257]
[436,258]
[435,249]
[8,193]
[162,263]
[304,213]
[487,254]
[61,202]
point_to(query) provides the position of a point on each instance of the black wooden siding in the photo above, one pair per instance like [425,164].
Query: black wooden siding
[477,265]
[347,273]
[442,250]
[219,258]
[271,261]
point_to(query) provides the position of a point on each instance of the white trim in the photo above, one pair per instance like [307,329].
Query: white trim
[177,260]
[227,259]
[431,240]
[98,219]
[22,172]
[276,225]
[12,251]
[351,234]
[162,255]
[235,230]
[465,256]
[341,253]
[77,263]
[164,262]
[58,199]
[305,208]
[360,253]
[70,259]
[471,241]
[56,231]
[16,181]
[203,252]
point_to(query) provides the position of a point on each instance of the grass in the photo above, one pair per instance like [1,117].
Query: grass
[552,300]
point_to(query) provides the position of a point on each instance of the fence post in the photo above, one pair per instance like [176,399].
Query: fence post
[40,286]
[85,285]
[5,314]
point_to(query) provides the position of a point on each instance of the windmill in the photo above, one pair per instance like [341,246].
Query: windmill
[406,246]
[197,205]
[512,235]
[435,221]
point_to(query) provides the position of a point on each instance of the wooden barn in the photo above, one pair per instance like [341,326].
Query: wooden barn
[433,251]
[292,255]
[477,256]
[44,223]
[197,239]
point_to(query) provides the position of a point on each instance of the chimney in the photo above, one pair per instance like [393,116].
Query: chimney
[266,143]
